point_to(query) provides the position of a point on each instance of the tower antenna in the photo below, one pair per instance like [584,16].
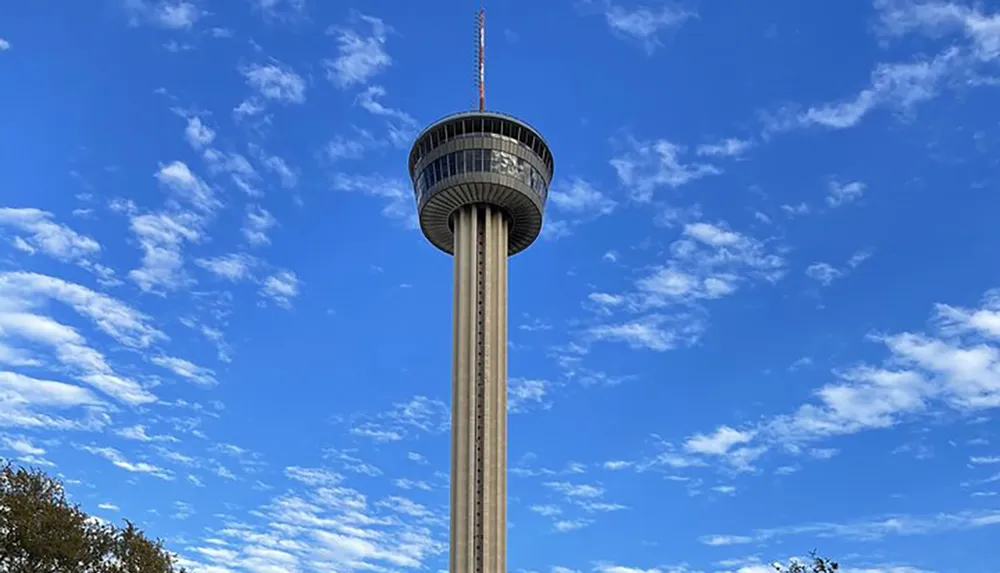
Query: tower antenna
[481,56]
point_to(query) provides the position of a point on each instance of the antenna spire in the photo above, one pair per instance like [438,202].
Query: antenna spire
[481,56]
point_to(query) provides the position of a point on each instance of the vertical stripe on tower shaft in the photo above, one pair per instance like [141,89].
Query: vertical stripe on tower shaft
[479,392]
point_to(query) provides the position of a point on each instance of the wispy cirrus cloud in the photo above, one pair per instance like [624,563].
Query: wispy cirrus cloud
[276,82]
[120,461]
[37,232]
[645,166]
[574,201]
[901,86]
[402,128]
[869,529]
[644,24]
[411,418]
[957,368]
[665,310]
[177,15]
[395,193]
[361,54]
[281,287]
[825,273]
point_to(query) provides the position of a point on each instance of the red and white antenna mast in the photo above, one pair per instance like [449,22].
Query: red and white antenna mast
[481,56]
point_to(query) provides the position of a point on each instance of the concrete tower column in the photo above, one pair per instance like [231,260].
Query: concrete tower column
[479,391]
[480,180]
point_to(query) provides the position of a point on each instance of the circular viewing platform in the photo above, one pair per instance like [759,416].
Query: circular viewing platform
[480,157]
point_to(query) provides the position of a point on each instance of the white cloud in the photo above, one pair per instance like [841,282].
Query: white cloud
[168,14]
[360,56]
[401,126]
[653,332]
[43,235]
[353,463]
[644,24]
[800,363]
[107,506]
[405,419]
[984,321]
[281,288]
[576,490]
[556,229]
[248,108]
[899,17]
[234,266]
[523,394]
[376,433]
[859,257]
[186,186]
[238,167]
[824,273]
[719,540]
[214,335]
[546,510]
[138,433]
[341,147]
[182,510]
[709,261]
[611,568]
[186,369]
[566,525]
[129,327]
[844,193]
[718,443]
[198,134]
[578,197]
[4,45]
[958,368]
[276,82]
[25,399]
[396,193]
[288,177]
[898,86]
[22,446]
[256,225]
[120,461]
[405,483]
[796,210]
[281,9]
[869,529]
[729,147]
[605,299]
[645,166]
[176,15]
[329,525]
[71,350]
[161,237]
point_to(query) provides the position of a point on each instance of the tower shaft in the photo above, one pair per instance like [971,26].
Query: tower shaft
[479,392]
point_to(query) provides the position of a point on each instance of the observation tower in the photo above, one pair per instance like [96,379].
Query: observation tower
[480,179]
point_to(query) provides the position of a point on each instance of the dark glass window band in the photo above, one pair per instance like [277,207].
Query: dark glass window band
[480,160]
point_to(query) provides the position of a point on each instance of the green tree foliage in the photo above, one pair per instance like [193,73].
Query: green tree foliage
[815,564]
[41,532]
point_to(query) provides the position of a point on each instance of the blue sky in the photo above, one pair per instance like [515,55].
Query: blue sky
[759,321]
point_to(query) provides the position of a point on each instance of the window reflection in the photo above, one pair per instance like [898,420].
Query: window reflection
[480,160]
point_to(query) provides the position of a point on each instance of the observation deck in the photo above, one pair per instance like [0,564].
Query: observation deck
[479,157]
